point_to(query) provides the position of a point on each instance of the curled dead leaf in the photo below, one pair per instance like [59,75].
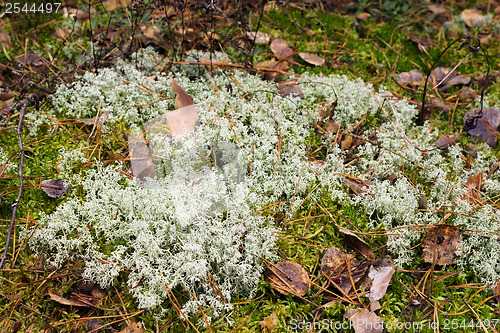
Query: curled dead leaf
[288,278]
[258,37]
[5,40]
[358,186]
[269,323]
[364,321]
[413,78]
[381,277]
[331,126]
[471,17]
[440,242]
[342,269]
[54,188]
[486,126]
[182,120]
[140,159]
[72,302]
[438,9]
[312,58]
[447,140]
[281,49]
[474,186]
[290,89]
[356,243]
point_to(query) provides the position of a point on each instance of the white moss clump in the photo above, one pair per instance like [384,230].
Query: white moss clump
[197,218]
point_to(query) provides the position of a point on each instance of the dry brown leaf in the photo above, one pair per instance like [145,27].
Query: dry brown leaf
[364,321]
[31,59]
[438,9]
[62,33]
[468,93]
[413,78]
[342,268]
[290,89]
[356,185]
[54,188]
[440,243]
[471,16]
[447,140]
[363,16]
[281,49]
[381,277]
[272,65]
[331,126]
[5,40]
[454,79]
[111,5]
[486,126]
[312,58]
[258,37]
[422,44]
[65,301]
[346,143]
[140,159]
[133,328]
[150,31]
[269,323]
[182,120]
[474,186]
[288,278]
[356,243]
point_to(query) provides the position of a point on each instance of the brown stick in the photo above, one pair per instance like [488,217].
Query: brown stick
[24,105]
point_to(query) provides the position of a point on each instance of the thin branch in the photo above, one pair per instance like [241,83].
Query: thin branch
[24,105]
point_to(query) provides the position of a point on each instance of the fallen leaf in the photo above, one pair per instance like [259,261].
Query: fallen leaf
[62,33]
[133,328]
[288,278]
[381,277]
[65,301]
[111,5]
[364,321]
[447,140]
[342,269]
[437,9]
[54,187]
[269,323]
[281,49]
[468,93]
[331,126]
[150,31]
[356,243]
[182,120]
[474,186]
[486,126]
[346,143]
[31,59]
[471,16]
[272,65]
[290,89]
[440,242]
[422,202]
[357,185]
[140,159]
[439,73]
[258,37]
[363,16]
[413,78]
[422,44]
[5,40]
[312,58]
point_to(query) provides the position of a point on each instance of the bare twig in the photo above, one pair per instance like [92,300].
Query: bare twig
[24,105]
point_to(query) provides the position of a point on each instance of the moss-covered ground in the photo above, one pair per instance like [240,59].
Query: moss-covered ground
[374,49]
